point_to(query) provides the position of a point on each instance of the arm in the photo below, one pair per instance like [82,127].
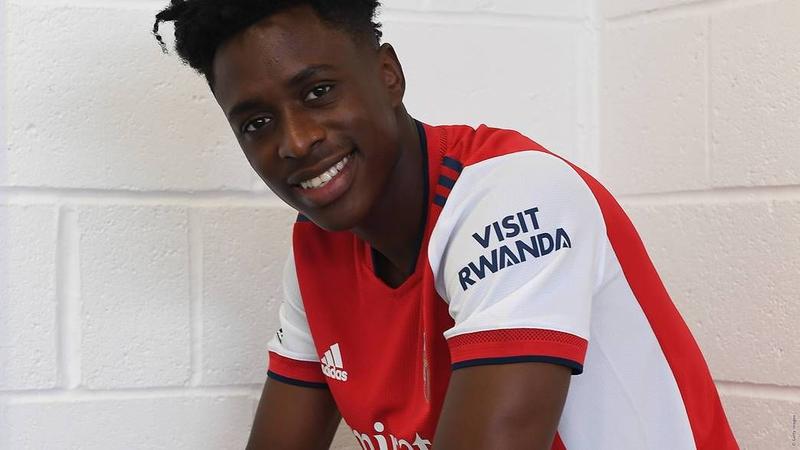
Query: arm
[293,417]
[499,407]
[296,410]
[519,273]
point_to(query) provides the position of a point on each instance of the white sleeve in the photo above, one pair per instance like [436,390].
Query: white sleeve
[517,254]
[292,352]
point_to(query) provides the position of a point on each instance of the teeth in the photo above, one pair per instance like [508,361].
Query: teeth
[327,176]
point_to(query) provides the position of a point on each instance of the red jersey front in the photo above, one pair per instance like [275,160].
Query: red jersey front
[524,257]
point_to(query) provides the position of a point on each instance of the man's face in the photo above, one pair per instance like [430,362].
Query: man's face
[315,113]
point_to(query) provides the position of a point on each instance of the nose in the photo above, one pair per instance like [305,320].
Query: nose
[300,133]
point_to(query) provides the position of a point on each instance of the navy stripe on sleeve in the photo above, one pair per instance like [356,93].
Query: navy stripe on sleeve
[447,182]
[452,164]
[577,368]
[294,382]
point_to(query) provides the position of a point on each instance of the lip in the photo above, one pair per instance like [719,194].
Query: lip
[332,190]
[314,171]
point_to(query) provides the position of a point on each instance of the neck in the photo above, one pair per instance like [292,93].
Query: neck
[394,225]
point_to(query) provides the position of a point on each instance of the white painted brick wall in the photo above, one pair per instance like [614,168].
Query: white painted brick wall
[617,8]
[92,106]
[140,262]
[169,422]
[134,284]
[531,89]
[243,259]
[561,8]
[755,90]
[700,139]
[711,254]
[28,352]
[762,421]
[653,106]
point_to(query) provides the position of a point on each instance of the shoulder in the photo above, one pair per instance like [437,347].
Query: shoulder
[511,202]
[493,159]
[503,167]
[489,193]
[469,145]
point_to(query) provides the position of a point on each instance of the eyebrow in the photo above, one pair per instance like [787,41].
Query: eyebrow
[242,107]
[308,72]
[298,78]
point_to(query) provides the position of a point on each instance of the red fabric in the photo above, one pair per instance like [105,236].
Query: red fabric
[307,371]
[391,342]
[517,342]
[558,444]
[397,361]
[706,416]
[450,173]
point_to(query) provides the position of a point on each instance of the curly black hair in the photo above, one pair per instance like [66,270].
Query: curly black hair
[201,26]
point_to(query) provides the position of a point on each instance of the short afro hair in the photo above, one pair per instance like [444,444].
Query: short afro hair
[201,26]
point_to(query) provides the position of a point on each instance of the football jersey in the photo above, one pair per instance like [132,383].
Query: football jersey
[524,258]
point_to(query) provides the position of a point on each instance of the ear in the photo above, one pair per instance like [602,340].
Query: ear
[391,73]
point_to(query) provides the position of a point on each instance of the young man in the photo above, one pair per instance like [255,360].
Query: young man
[444,283]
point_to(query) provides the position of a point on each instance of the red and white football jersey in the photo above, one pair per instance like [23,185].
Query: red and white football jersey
[525,257]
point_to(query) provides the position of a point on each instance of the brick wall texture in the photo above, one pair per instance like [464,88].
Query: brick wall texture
[140,257]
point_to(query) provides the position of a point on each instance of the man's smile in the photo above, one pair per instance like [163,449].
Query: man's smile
[333,180]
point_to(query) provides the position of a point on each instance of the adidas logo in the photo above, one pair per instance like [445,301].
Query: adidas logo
[332,365]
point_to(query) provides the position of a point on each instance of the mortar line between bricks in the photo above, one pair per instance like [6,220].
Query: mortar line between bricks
[154,5]
[601,31]
[415,15]
[717,195]
[489,18]
[28,195]
[61,395]
[709,135]
[679,11]
[196,296]
[68,307]
[3,84]
[755,390]
[582,94]
[593,119]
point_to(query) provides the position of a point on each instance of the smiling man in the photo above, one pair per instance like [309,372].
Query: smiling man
[445,284]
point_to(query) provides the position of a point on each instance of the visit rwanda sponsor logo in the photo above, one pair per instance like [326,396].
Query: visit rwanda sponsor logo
[515,238]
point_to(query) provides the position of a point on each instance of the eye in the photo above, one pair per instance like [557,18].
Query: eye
[318,91]
[255,124]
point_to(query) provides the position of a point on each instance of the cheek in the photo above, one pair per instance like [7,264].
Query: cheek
[257,154]
[259,159]
[375,128]
[366,107]
[251,160]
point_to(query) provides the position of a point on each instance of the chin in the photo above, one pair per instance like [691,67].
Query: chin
[337,218]
[332,223]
